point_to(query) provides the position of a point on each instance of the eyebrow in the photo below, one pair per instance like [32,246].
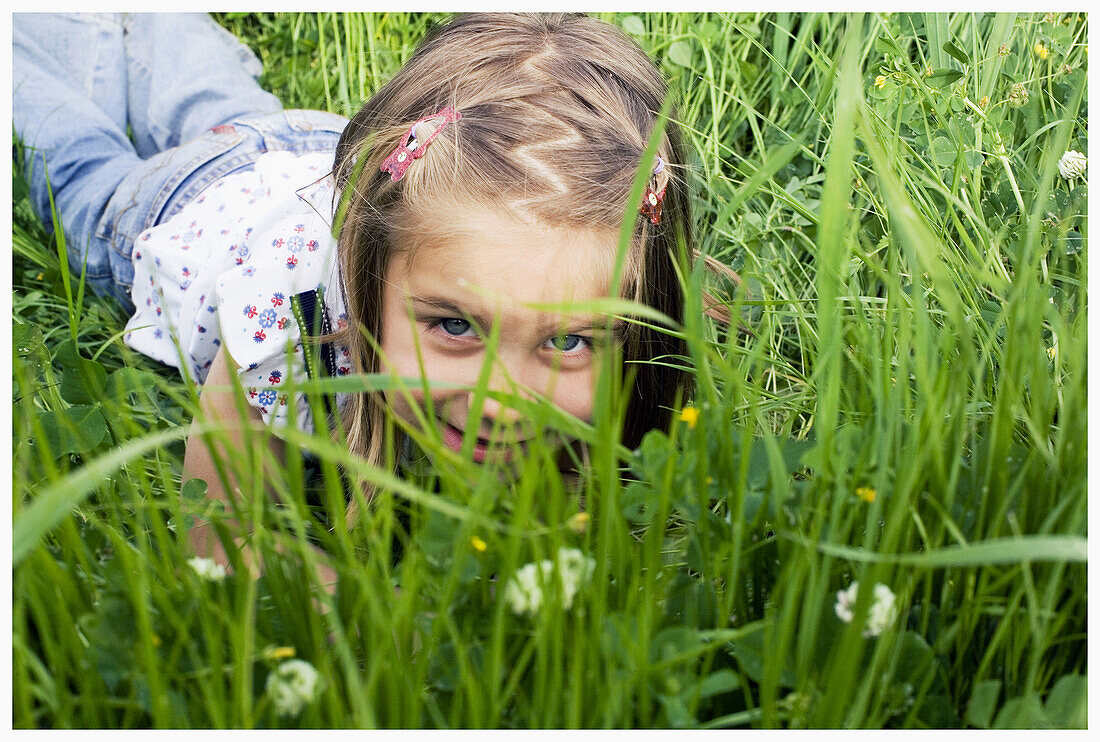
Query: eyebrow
[450,308]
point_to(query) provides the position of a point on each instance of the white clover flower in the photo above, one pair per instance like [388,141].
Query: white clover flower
[883,609]
[524,590]
[1072,165]
[207,569]
[845,602]
[291,686]
[576,570]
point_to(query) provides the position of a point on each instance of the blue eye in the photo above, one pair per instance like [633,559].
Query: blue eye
[567,343]
[455,326]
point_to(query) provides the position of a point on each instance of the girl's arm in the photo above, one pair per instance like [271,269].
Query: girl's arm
[218,404]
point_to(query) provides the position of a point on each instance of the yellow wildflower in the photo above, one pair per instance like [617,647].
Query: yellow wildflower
[478,544]
[271,652]
[983,102]
[1042,50]
[578,523]
[690,415]
[880,82]
[867,494]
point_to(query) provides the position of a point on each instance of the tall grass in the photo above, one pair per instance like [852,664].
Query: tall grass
[903,404]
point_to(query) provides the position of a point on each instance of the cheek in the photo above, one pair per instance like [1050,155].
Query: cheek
[398,354]
[400,357]
[576,393]
[398,349]
[398,335]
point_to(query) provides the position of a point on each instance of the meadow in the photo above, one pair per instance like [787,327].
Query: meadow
[900,404]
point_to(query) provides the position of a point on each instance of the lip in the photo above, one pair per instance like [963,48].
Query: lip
[452,437]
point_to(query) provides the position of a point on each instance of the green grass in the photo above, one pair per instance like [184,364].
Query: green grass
[906,406]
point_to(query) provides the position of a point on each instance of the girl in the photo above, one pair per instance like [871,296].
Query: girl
[489,176]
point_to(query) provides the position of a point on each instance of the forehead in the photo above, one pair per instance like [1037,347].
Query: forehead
[501,262]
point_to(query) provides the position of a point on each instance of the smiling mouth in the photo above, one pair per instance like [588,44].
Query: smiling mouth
[452,437]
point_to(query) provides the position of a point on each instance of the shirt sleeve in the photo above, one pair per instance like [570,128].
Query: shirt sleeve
[290,251]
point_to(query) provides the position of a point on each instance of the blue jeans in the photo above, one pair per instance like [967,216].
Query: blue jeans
[125,118]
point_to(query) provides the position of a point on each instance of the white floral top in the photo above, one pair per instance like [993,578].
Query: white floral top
[224,270]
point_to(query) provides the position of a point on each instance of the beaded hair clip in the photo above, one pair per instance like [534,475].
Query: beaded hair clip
[654,196]
[413,144]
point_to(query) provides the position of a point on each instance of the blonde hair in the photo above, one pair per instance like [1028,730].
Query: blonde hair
[556,110]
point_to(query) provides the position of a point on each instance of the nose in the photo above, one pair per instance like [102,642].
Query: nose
[497,413]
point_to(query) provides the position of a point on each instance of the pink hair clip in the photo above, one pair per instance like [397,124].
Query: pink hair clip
[652,200]
[412,147]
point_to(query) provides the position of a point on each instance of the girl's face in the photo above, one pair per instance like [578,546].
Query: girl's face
[446,294]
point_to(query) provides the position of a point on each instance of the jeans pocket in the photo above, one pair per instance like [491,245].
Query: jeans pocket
[298,131]
[302,120]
